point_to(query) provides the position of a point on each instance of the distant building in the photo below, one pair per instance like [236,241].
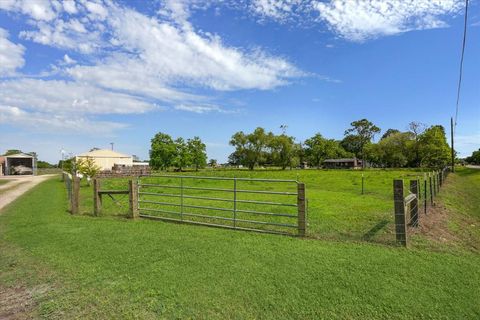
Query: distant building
[106,159]
[18,164]
[350,163]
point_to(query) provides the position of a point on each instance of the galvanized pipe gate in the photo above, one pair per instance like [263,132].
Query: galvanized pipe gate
[154,199]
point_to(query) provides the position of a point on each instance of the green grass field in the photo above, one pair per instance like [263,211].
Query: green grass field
[107,267]
[337,209]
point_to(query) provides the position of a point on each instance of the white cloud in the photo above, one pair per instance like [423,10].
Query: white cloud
[67,60]
[132,61]
[11,55]
[36,9]
[279,10]
[358,20]
[53,123]
[202,108]
[66,97]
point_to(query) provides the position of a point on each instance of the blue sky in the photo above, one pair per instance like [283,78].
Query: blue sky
[82,74]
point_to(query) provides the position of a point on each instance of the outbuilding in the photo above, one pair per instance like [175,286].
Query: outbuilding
[18,164]
[350,163]
[106,159]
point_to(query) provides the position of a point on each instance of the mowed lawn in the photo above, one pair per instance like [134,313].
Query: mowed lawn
[337,209]
[110,267]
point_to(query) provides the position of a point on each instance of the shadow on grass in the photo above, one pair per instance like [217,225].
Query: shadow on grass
[372,232]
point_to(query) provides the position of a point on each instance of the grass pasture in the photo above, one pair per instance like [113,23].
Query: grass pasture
[337,209]
[109,267]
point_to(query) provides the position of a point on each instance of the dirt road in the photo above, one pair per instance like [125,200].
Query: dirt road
[18,186]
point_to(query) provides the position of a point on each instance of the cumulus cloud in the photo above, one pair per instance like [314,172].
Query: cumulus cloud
[67,97]
[53,123]
[128,62]
[206,108]
[279,10]
[358,20]
[11,55]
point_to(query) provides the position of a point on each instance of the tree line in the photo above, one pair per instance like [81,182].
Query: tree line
[165,152]
[418,146]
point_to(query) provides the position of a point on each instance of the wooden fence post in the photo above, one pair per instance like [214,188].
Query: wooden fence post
[400,221]
[425,193]
[75,200]
[431,188]
[97,203]
[301,209]
[133,198]
[414,203]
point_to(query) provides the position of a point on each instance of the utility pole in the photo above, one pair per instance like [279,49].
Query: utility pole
[453,149]
[111,143]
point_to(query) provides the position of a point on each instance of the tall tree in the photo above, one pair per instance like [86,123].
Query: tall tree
[416,128]
[249,148]
[183,157]
[162,152]
[284,151]
[317,149]
[389,132]
[198,152]
[434,150]
[365,131]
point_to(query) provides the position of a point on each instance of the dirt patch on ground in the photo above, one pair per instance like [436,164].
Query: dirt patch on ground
[434,225]
[19,302]
[440,226]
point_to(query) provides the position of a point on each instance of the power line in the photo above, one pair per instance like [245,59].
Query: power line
[461,61]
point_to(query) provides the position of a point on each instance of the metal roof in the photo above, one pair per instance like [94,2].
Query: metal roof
[103,153]
[19,155]
[341,160]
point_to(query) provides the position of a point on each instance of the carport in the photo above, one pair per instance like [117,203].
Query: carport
[19,164]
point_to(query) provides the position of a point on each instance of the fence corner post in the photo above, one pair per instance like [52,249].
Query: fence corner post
[415,202]
[75,199]
[133,198]
[400,219]
[301,209]
[96,197]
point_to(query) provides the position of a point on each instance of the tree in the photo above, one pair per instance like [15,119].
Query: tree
[182,157]
[249,148]
[389,132]
[416,128]
[87,167]
[212,163]
[474,158]
[283,150]
[394,150]
[434,151]
[198,153]
[317,149]
[364,131]
[162,152]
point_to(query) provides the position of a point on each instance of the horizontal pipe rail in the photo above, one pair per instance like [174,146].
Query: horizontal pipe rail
[216,225]
[223,218]
[268,213]
[225,178]
[220,209]
[217,189]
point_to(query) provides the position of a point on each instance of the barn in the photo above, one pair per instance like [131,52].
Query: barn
[106,159]
[18,164]
[351,163]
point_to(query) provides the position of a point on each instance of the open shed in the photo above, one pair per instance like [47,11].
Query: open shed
[18,164]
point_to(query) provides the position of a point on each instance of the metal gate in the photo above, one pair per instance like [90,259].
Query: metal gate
[264,205]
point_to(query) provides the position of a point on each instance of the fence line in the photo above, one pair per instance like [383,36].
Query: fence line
[407,207]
